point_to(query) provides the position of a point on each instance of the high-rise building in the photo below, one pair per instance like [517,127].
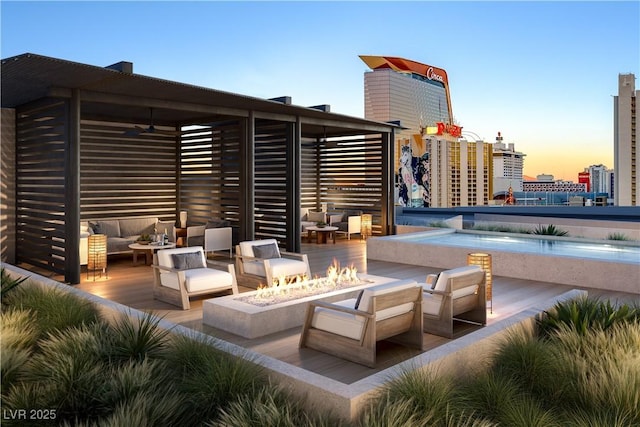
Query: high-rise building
[460,172]
[507,167]
[625,143]
[598,179]
[457,172]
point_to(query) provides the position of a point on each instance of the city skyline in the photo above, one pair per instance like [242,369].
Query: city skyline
[541,73]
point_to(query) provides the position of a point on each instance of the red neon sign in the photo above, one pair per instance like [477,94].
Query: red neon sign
[452,130]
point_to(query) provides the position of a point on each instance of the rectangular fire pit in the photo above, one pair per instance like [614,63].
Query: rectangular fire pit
[231,314]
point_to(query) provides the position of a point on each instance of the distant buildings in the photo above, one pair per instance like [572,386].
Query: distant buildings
[507,167]
[434,167]
[626,153]
[546,183]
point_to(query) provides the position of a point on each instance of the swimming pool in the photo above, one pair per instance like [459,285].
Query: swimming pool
[534,245]
[581,262]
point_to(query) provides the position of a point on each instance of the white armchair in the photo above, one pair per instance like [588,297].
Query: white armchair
[180,273]
[218,239]
[456,294]
[264,260]
[350,329]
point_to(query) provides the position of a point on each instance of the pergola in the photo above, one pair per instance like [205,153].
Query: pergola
[93,142]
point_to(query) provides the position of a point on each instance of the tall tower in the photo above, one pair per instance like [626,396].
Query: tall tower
[625,143]
[507,166]
[434,166]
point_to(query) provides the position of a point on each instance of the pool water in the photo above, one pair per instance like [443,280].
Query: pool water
[534,245]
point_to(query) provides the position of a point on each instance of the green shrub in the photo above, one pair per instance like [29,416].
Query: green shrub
[487,393]
[210,378]
[585,313]
[135,338]
[549,230]
[617,236]
[53,308]
[8,284]
[270,407]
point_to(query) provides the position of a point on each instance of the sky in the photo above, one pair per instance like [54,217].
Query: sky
[542,73]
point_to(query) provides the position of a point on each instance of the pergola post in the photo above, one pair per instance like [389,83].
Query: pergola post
[247,179]
[294,185]
[388,206]
[72,191]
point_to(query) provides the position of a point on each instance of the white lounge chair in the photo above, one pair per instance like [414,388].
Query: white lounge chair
[180,273]
[264,260]
[350,329]
[456,294]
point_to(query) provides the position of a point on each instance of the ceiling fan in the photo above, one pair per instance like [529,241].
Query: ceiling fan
[150,129]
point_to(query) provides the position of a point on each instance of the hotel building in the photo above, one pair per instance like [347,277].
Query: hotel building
[434,168]
[625,143]
[507,167]
[546,183]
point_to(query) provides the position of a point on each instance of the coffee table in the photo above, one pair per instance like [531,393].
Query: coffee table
[148,251]
[322,233]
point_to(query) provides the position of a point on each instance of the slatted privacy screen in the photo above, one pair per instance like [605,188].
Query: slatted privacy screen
[126,173]
[210,172]
[270,195]
[350,173]
[40,184]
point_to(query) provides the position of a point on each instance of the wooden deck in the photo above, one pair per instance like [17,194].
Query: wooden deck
[132,286]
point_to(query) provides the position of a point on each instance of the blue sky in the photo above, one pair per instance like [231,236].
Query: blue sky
[542,73]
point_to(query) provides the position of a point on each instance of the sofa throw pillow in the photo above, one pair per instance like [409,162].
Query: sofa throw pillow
[317,217]
[266,251]
[187,261]
[95,227]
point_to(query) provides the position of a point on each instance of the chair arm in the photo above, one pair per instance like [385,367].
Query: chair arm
[285,254]
[341,308]
[162,267]
[355,223]
[434,292]
[214,264]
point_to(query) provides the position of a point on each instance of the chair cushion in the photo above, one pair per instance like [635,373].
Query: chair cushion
[198,279]
[246,248]
[317,217]
[137,226]
[109,227]
[287,267]
[383,289]
[441,284]
[351,325]
[267,251]
[187,261]
[165,258]
[334,219]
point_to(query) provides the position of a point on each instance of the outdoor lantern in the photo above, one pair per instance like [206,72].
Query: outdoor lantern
[365,225]
[183,219]
[484,261]
[97,257]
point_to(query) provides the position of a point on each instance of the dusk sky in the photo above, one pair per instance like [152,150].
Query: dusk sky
[542,73]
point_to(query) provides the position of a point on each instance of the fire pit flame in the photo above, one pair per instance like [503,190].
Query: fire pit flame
[284,288]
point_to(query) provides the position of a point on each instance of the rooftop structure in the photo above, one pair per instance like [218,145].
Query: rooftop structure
[625,143]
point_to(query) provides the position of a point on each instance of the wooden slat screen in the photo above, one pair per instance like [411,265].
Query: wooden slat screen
[125,174]
[270,180]
[7,187]
[40,185]
[350,173]
[210,173]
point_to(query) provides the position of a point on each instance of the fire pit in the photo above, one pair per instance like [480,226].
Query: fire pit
[277,308]
[286,289]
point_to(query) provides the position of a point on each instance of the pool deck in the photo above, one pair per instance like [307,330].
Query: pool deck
[572,271]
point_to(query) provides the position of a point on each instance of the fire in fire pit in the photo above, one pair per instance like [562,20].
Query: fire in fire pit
[284,289]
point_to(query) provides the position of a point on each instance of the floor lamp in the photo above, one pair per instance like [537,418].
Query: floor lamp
[97,259]
[484,261]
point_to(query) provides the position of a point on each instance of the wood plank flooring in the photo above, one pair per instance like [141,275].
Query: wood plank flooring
[132,286]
